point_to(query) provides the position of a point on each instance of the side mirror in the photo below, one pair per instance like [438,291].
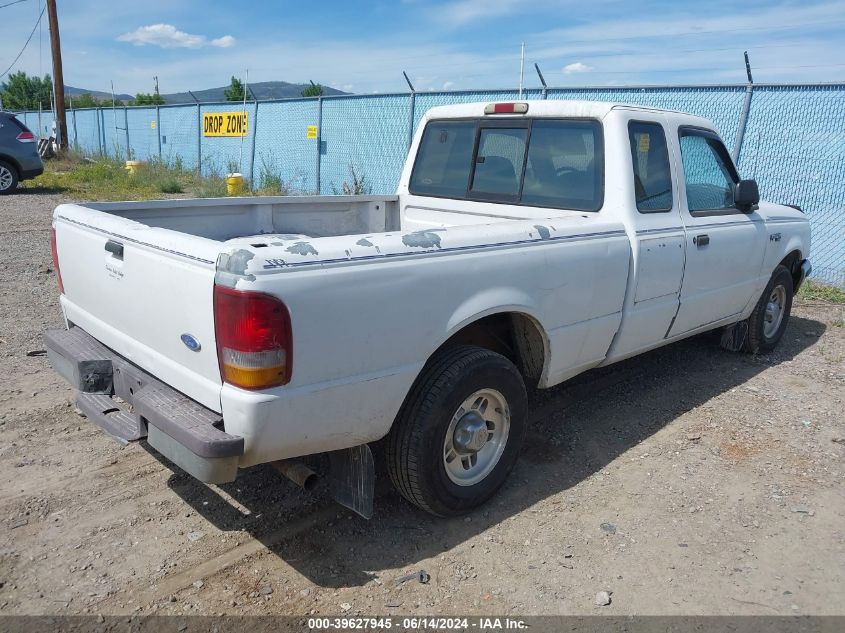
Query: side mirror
[746,195]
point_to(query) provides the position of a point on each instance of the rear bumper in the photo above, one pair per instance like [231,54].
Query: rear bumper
[26,174]
[184,431]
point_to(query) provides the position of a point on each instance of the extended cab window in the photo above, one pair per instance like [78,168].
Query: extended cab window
[652,175]
[562,166]
[710,176]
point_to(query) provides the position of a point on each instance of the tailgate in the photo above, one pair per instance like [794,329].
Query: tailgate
[141,291]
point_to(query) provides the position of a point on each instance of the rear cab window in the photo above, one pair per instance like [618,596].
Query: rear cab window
[499,163]
[557,163]
[442,167]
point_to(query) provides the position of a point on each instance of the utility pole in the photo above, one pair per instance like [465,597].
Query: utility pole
[58,75]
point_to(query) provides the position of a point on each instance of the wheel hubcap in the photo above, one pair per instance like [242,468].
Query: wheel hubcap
[470,434]
[476,437]
[5,179]
[774,311]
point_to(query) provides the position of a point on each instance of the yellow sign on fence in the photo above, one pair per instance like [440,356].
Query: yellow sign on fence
[311,131]
[224,124]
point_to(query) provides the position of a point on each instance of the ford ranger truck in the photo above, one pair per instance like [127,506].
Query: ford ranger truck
[527,242]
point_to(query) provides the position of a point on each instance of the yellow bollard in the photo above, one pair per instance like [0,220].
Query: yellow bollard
[234,184]
[132,166]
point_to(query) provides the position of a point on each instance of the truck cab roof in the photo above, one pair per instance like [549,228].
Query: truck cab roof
[556,108]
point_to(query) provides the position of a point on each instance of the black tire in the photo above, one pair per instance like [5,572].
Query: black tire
[757,341]
[8,171]
[414,448]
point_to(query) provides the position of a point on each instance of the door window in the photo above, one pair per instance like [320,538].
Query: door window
[652,175]
[708,171]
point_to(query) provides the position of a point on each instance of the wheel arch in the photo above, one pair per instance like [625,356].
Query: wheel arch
[11,160]
[792,262]
[512,332]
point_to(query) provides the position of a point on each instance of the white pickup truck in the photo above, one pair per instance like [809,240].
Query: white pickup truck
[527,243]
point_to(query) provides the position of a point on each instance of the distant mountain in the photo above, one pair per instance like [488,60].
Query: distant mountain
[262,90]
[74,92]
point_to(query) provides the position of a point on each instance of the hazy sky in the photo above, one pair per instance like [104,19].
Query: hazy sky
[364,46]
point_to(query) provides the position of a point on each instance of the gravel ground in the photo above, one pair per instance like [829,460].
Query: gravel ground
[687,481]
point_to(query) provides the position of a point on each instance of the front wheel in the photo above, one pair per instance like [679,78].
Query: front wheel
[769,319]
[459,432]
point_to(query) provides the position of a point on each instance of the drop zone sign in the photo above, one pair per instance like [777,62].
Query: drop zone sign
[224,124]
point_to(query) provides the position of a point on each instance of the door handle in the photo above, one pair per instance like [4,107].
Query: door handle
[115,248]
[701,240]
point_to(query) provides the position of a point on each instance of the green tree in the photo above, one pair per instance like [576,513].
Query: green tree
[87,100]
[314,90]
[148,99]
[235,91]
[22,92]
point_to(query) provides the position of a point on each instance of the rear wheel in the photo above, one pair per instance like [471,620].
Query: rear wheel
[8,178]
[459,432]
[770,317]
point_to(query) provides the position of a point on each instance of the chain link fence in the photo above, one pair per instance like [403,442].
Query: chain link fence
[282,148]
[794,146]
[793,141]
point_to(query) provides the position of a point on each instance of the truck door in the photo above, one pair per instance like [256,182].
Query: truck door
[657,239]
[724,246]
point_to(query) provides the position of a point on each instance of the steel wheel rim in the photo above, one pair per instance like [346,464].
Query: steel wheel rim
[773,316]
[5,179]
[470,450]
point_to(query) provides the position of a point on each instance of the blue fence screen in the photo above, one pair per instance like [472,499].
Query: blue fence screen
[793,141]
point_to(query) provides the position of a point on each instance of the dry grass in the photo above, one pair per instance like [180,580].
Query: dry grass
[814,291]
[103,178]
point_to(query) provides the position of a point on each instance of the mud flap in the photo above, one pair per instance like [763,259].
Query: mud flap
[352,479]
[733,336]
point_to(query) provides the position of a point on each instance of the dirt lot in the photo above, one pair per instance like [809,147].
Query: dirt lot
[690,480]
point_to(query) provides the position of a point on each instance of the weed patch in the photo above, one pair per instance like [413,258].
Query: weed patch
[814,291]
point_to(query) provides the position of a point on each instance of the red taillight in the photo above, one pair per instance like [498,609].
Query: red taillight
[55,253]
[506,108]
[26,137]
[254,339]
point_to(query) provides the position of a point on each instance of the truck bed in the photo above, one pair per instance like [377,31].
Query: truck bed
[280,218]
[222,219]
[172,253]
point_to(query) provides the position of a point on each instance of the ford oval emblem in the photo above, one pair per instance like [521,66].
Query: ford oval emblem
[190,342]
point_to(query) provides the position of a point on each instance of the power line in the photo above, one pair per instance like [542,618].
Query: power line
[696,33]
[8,4]
[376,63]
[40,40]
[5,72]
[378,60]
[687,70]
